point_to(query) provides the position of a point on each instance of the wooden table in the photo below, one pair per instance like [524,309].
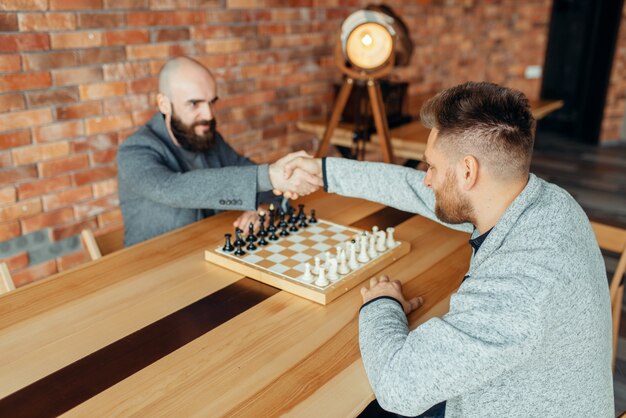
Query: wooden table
[408,140]
[155,330]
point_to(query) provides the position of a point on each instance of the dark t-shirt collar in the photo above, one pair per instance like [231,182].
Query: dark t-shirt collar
[478,241]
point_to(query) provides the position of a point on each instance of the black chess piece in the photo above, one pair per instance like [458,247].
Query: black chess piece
[262,231]
[228,247]
[281,217]
[292,217]
[301,212]
[283,231]
[303,223]
[262,242]
[251,237]
[273,236]
[251,246]
[271,227]
[294,227]
[238,250]
[239,240]
[312,219]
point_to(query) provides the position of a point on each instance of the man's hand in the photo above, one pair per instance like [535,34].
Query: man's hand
[244,220]
[299,182]
[381,286]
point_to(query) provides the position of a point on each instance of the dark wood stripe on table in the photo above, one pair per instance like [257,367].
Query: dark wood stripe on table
[85,378]
[74,384]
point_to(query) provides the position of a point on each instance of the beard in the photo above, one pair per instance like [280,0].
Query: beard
[187,137]
[450,205]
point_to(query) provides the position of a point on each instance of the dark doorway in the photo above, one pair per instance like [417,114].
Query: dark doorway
[581,46]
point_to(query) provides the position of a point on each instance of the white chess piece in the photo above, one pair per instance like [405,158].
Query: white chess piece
[363,257]
[390,241]
[321,280]
[339,250]
[352,263]
[371,251]
[375,230]
[343,266]
[332,271]
[380,241]
[317,268]
[327,258]
[308,277]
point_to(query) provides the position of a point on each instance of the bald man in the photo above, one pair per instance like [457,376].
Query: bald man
[177,169]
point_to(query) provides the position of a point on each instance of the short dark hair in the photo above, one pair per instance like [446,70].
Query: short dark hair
[491,122]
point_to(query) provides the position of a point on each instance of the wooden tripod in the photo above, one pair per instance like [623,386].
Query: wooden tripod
[376,101]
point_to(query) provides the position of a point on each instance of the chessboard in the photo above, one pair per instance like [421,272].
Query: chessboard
[318,261]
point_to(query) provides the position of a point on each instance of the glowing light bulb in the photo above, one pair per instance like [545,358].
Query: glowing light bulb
[367,40]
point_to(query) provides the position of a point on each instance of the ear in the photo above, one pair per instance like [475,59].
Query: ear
[165,106]
[469,172]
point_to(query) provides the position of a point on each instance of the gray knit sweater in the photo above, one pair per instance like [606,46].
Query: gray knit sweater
[528,333]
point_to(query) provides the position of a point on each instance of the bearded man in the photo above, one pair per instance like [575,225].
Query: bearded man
[177,169]
[528,332]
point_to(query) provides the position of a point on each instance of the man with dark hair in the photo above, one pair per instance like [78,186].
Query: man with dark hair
[528,332]
[177,169]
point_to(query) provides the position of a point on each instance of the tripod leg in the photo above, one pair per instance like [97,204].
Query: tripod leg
[342,99]
[380,119]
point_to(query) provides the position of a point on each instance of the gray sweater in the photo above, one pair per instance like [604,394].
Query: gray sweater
[528,333]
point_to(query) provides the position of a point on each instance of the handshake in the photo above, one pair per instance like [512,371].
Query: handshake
[296,174]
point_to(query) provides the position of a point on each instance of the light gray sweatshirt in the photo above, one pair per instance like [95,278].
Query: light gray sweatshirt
[528,333]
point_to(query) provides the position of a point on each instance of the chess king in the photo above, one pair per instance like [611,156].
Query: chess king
[177,169]
[528,332]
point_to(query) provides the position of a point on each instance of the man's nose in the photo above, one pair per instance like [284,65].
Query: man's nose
[205,111]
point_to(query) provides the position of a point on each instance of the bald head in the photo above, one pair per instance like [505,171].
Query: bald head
[180,68]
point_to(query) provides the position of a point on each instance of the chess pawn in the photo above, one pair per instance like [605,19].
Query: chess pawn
[251,237]
[316,267]
[380,241]
[321,280]
[371,251]
[343,266]
[327,259]
[312,219]
[238,251]
[352,263]
[375,230]
[390,241]
[363,257]
[308,277]
[332,270]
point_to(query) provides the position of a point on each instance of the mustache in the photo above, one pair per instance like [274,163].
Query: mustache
[210,123]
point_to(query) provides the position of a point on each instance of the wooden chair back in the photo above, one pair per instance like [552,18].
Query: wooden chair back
[613,239]
[101,245]
[6,282]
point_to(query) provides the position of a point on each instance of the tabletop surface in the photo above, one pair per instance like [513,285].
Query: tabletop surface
[156,330]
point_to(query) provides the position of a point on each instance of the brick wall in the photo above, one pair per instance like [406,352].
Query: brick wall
[615,108]
[78,76]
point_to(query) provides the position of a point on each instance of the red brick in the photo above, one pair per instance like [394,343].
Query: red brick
[142,117]
[13,5]
[8,22]
[14,139]
[145,85]
[59,130]
[8,195]
[24,119]
[73,76]
[69,261]
[46,219]
[126,70]
[94,175]
[102,55]
[20,210]
[128,104]
[17,174]
[146,51]
[41,187]
[66,198]
[62,165]
[11,101]
[218,46]
[52,97]
[100,90]
[44,22]
[17,261]
[107,123]
[40,152]
[71,40]
[24,81]
[79,110]
[100,20]
[126,4]
[103,157]
[95,143]
[165,18]
[75,4]
[9,230]
[73,228]
[126,37]
[48,60]
[104,188]
[95,207]
[24,42]
[10,63]
[113,217]
[6,159]
[34,273]
[170,35]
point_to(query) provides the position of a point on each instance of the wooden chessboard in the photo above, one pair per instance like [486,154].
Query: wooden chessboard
[282,263]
